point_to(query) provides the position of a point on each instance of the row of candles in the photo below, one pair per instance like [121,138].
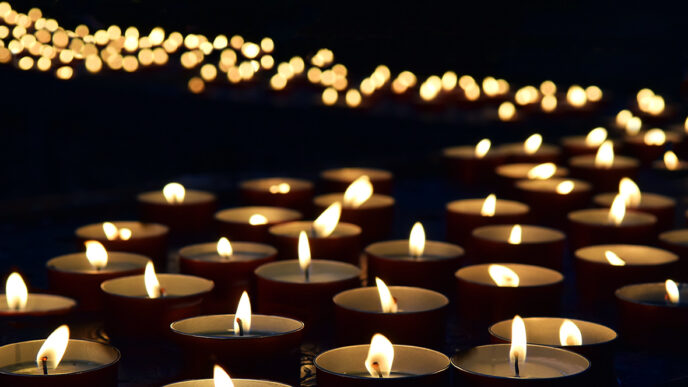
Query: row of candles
[525,280]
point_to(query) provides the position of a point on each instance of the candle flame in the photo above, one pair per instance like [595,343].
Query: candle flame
[672,292]
[388,303]
[532,144]
[96,254]
[596,137]
[542,171]
[655,137]
[630,192]
[515,236]
[358,192]
[110,231]
[150,279]
[257,219]
[304,252]
[174,193]
[380,357]
[605,155]
[224,248]
[633,126]
[221,378]
[503,276]
[489,206]
[325,224]
[671,160]
[16,293]
[576,96]
[518,350]
[622,117]
[614,259]
[617,211]
[243,314]
[482,148]
[569,334]
[125,234]
[417,240]
[281,188]
[53,348]
[565,187]
[506,111]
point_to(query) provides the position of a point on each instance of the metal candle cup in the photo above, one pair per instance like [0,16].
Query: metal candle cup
[646,319]
[516,153]
[231,275]
[598,345]
[72,275]
[375,216]
[338,180]
[344,244]
[271,350]
[192,216]
[148,239]
[283,289]
[509,174]
[465,167]
[262,192]
[84,364]
[130,312]
[603,179]
[592,227]
[676,241]
[391,261]
[413,366]
[235,382]
[541,196]
[540,246]
[488,365]
[233,223]
[662,207]
[463,216]
[420,319]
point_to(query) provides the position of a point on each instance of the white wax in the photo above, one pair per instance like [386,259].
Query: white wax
[65,367]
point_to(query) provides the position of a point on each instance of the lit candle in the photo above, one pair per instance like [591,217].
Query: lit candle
[463,216]
[222,379]
[184,211]
[472,164]
[650,145]
[277,192]
[532,150]
[564,194]
[338,180]
[509,174]
[584,145]
[603,170]
[252,223]
[671,165]
[17,304]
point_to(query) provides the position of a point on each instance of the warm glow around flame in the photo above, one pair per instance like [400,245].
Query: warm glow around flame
[532,144]
[671,161]
[221,378]
[503,276]
[325,224]
[565,187]
[304,252]
[174,193]
[633,126]
[569,334]
[151,281]
[519,342]
[596,137]
[515,236]
[489,205]
[53,348]
[388,303]
[16,292]
[358,192]
[576,96]
[257,219]
[506,111]
[614,259]
[124,234]
[482,148]
[243,314]
[281,188]
[605,155]
[110,231]
[224,248]
[672,293]
[96,254]
[542,171]
[617,211]
[417,240]
[380,357]
[630,192]
[655,137]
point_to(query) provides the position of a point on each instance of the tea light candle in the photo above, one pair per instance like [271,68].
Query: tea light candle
[676,241]
[415,262]
[604,170]
[268,348]
[593,341]
[18,304]
[670,165]
[252,223]
[184,211]
[650,145]
[148,239]
[535,245]
[373,213]
[405,315]
[649,317]
[463,216]
[235,383]
[662,207]
[563,194]
[532,150]
[229,265]
[493,292]
[411,366]
[472,164]
[75,276]
[277,192]
[145,305]
[509,174]
[601,269]
[338,180]
[584,145]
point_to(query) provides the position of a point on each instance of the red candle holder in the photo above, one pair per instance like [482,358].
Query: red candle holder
[647,153]
[543,195]
[463,216]
[662,207]
[540,246]
[272,192]
[237,224]
[235,382]
[592,227]
[676,241]
[338,180]
[375,216]
[516,153]
[603,179]
[464,166]
[193,215]
[344,244]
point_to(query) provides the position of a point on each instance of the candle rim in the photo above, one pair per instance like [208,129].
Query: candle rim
[622,294]
[403,244]
[559,276]
[579,186]
[207,288]
[578,323]
[560,171]
[375,174]
[191,197]
[516,148]
[648,218]
[289,215]
[445,300]
[466,152]
[557,235]
[671,236]
[314,262]
[139,262]
[376,201]
[605,199]
[588,162]
[211,382]
[229,317]
[191,252]
[459,206]
[579,254]
[257,184]
[68,305]
[347,230]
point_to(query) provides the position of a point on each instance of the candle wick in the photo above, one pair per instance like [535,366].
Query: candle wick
[307,273]
[516,367]
[376,368]
[241,327]
[44,361]
[163,293]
